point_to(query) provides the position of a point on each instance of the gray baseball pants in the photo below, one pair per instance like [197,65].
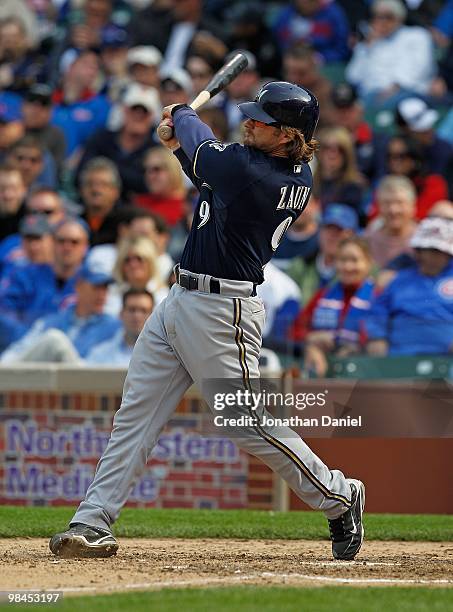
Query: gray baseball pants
[194,336]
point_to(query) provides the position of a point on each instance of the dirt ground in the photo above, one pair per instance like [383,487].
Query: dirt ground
[152,564]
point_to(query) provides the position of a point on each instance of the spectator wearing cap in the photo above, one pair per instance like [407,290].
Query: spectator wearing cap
[415,118]
[143,65]
[100,189]
[79,110]
[414,314]
[244,87]
[69,335]
[175,87]
[166,186]
[338,222]
[301,65]
[320,23]
[250,32]
[41,201]
[391,235]
[332,323]
[370,146]
[12,196]
[33,245]
[405,157]
[337,178]
[127,145]
[394,61]
[34,162]
[301,239]
[36,290]
[137,306]
[113,56]
[37,113]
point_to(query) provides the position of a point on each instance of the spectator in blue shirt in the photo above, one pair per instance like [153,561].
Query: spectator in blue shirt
[321,23]
[79,110]
[69,335]
[137,307]
[414,313]
[36,290]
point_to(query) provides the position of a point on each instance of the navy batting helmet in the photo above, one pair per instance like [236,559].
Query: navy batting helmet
[280,103]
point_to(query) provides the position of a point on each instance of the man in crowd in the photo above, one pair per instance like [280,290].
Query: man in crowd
[100,188]
[46,201]
[323,25]
[138,305]
[34,245]
[394,60]
[34,162]
[128,145]
[390,235]
[12,195]
[36,290]
[69,335]
[79,109]
[37,113]
[414,314]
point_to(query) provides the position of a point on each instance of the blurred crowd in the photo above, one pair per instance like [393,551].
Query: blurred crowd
[94,212]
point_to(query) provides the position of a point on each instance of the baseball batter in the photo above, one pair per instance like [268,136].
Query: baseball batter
[209,327]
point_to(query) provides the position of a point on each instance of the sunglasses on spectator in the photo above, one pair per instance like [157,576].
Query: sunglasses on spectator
[32,237]
[331,147]
[401,155]
[44,211]
[154,168]
[198,74]
[34,159]
[384,16]
[73,241]
[130,258]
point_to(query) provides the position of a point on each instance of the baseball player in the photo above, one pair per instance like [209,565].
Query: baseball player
[209,327]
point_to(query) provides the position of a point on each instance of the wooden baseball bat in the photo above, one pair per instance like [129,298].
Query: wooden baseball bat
[219,81]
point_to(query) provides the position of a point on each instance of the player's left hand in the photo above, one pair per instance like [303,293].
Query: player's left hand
[173,143]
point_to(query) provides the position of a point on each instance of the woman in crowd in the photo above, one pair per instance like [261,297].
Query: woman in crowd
[332,322]
[336,178]
[136,267]
[164,179]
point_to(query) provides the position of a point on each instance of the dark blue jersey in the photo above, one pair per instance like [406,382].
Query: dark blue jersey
[248,199]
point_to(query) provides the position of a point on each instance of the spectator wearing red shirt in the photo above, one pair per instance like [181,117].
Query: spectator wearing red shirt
[164,179]
[332,322]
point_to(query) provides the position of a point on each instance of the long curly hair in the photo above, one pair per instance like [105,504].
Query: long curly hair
[297,148]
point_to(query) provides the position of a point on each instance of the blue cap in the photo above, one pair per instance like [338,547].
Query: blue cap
[95,273]
[342,216]
[113,36]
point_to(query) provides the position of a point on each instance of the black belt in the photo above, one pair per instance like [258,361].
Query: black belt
[190,282]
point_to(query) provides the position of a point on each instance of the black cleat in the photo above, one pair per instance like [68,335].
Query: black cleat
[83,541]
[346,532]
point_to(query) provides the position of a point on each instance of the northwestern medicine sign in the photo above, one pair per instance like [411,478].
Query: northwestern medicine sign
[49,465]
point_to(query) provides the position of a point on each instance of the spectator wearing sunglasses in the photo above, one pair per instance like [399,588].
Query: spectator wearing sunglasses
[46,201]
[394,61]
[34,162]
[165,182]
[38,289]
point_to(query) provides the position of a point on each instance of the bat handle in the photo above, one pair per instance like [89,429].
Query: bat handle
[165,132]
